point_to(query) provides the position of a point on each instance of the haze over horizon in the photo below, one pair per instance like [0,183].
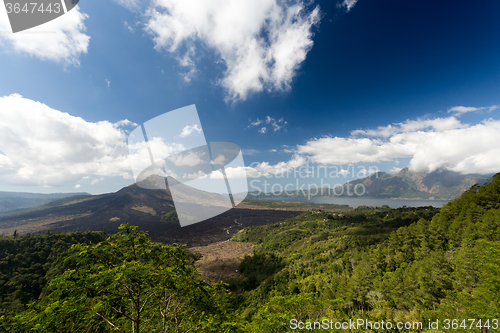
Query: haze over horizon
[353,86]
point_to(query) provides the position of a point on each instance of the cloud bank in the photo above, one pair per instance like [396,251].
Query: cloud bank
[41,146]
[431,144]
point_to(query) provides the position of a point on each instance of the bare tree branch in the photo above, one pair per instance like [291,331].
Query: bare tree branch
[110,323]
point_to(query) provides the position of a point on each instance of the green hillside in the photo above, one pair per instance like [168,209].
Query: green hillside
[418,266]
[321,266]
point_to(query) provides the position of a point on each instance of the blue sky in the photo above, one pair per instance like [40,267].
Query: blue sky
[413,78]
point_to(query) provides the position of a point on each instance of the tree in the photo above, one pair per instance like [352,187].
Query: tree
[128,284]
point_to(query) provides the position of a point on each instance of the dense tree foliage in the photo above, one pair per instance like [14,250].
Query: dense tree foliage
[398,265]
[28,262]
[126,283]
[430,266]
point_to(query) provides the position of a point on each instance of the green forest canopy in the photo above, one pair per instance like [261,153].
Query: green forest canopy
[406,264]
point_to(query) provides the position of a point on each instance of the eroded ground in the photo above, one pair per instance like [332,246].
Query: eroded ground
[221,260]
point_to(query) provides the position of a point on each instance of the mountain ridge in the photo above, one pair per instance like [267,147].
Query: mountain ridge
[439,185]
[406,184]
[11,201]
[138,204]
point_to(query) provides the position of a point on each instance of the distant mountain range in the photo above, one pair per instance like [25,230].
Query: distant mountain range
[445,185]
[138,205]
[437,185]
[10,201]
[141,205]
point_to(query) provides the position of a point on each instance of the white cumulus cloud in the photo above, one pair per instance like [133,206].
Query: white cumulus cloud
[363,172]
[261,42]
[263,169]
[431,144]
[410,125]
[459,110]
[219,160]
[194,175]
[347,4]
[189,130]
[61,40]
[267,169]
[188,159]
[344,172]
[234,173]
[41,146]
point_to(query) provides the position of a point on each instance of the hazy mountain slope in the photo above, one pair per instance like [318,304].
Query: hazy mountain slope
[445,185]
[100,209]
[141,207]
[407,184]
[10,201]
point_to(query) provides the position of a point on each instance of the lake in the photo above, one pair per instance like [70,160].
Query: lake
[360,201]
